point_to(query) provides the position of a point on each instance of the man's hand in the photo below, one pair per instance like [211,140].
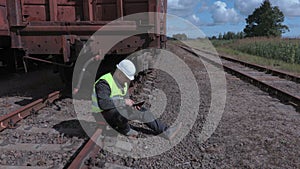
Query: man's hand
[129,102]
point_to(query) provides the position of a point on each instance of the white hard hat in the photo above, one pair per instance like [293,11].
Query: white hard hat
[127,67]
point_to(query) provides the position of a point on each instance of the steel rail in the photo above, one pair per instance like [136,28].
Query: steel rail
[9,120]
[275,72]
[89,150]
[281,94]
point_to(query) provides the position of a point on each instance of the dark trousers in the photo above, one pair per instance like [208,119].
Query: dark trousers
[120,123]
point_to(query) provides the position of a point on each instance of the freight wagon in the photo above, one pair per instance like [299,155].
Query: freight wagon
[38,29]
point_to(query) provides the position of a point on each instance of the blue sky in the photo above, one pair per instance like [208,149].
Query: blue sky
[214,17]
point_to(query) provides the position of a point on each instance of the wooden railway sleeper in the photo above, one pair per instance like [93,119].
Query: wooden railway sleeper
[2,125]
[48,104]
[11,124]
[58,108]
[33,111]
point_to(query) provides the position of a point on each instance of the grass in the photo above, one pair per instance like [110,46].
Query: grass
[272,63]
[280,54]
[287,50]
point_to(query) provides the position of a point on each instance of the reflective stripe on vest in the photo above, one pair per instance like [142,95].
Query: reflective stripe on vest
[115,91]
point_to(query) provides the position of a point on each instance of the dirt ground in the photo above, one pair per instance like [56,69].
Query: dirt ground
[19,89]
[256,130]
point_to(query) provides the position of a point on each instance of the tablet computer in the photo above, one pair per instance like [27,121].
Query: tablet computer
[139,103]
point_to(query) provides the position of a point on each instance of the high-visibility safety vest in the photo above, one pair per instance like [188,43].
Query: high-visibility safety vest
[115,91]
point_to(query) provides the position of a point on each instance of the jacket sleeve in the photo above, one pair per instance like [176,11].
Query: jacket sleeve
[103,96]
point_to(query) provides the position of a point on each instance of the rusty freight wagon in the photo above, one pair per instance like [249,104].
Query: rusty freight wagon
[38,29]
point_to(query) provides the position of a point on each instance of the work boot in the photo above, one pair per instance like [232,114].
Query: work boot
[131,133]
[171,132]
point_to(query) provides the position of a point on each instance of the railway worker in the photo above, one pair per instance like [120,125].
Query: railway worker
[110,98]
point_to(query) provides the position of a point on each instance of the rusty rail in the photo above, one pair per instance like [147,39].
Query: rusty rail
[279,73]
[281,94]
[89,150]
[9,120]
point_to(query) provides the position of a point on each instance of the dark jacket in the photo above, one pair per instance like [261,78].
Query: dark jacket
[103,96]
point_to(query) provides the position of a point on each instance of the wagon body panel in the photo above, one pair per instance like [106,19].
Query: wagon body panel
[51,27]
[4,28]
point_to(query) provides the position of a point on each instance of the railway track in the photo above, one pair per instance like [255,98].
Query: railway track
[44,135]
[283,85]
[9,120]
[49,138]
[47,134]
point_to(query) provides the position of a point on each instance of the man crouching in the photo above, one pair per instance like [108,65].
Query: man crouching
[110,98]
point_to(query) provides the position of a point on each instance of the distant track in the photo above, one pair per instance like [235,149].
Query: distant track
[274,72]
[283,85]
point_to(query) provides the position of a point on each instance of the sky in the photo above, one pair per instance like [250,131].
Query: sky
[214,17]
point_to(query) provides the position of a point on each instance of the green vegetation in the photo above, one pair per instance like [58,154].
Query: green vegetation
[229,36]
[179,36]
[279,51]
[265,21]
[286,50]
[260,42]
[221,43]
[272,63]
[283,54]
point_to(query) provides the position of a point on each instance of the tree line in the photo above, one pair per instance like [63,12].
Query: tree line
[265,21]
[180,36]
[229,35]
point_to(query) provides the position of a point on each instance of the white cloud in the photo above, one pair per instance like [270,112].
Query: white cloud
[288,7]
[182,8]
[247,7]
[222,14]
[187,9]
[204,6]
[175,5]
[178,25]
[196,18]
